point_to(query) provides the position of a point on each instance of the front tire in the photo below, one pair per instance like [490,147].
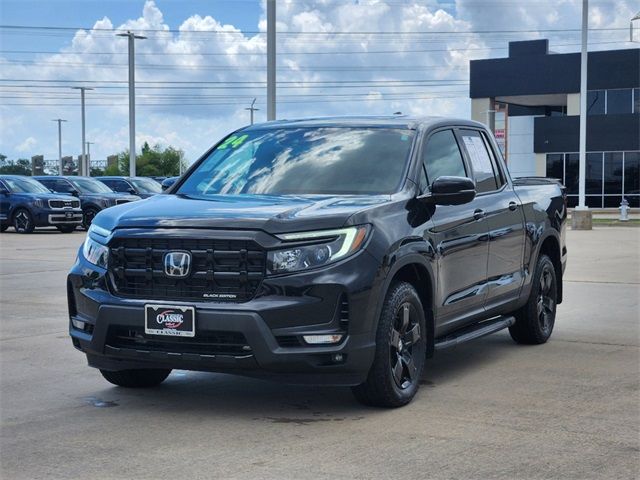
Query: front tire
[87,217]
[394,377]
[23,221]
[137,378]
[535,321]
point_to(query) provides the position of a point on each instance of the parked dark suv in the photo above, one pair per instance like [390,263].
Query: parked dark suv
[340,251]
[142,186]
[26,204]
[94,195]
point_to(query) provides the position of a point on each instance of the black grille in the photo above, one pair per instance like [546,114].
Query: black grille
[64,203]
[221,270]
[204,343]
[344,313]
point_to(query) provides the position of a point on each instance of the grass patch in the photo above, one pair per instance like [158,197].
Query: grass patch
[612,222]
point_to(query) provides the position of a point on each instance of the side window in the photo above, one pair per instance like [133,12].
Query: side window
[63,186]
[483,170]
[120,186]
[500,178]
[48,183]
[108,183]
[442,157]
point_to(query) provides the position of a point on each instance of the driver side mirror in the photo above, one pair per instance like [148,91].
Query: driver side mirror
[132,191]
[75,193]
[450,191]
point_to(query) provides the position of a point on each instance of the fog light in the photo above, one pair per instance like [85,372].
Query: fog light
[322,339]
[77,324]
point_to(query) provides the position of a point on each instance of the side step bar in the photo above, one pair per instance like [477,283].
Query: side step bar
[474,331]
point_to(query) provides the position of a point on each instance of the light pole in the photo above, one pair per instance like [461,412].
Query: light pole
[83,170]
[252,109]
[636,17]
[271,59]
[89,157]
[132,99]
[582,218]
[59,120]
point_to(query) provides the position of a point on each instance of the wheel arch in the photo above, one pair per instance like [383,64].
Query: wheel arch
[550,246]
[415,270]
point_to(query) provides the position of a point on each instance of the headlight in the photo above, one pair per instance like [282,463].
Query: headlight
[95,252]
[338,244]
[108,202]
[39,203]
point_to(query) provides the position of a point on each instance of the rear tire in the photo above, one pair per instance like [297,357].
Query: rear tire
[23,221]
[66,228]
[394,377]
[138,378]
[535,321]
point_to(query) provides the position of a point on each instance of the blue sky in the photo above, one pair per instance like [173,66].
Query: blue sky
[419,66]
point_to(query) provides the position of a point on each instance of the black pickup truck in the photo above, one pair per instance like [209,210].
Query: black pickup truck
[342,251]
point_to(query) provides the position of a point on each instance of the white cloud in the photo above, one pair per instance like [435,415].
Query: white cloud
[27,145]
[194,118]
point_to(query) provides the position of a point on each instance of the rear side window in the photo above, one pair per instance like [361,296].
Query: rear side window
[120,186]
[483,169]
[442,157]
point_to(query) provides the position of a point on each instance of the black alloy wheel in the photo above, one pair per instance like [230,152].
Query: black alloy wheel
[405,334]
[23,222]
[88,216]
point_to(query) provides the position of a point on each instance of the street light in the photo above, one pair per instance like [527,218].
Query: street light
[132,99]
[637,17]
[252,109]
[59,120]
[89,156]
[83,167]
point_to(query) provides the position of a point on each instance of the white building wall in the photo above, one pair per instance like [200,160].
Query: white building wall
[521,159]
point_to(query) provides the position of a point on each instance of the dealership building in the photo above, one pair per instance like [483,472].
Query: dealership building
[531,101]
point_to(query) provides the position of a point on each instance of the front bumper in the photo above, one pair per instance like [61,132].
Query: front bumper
[271,325]
[50,217]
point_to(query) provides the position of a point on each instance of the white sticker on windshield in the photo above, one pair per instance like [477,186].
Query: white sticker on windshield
[478,153]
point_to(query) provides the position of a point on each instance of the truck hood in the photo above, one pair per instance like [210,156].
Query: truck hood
[270,213]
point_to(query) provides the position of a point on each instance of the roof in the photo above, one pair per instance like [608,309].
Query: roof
[389,121]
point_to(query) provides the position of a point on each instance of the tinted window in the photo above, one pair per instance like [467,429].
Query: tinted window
[306,160]
[632,173]
[593,177]
[483,170]
[571,172]
[636,100]
[613,173]
[62,186]
[120,186]
[555,167]
[619,101]
[494,161]
[442,156]
[595,102]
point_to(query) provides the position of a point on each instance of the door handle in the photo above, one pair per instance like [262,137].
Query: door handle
[513,206]
[478,214]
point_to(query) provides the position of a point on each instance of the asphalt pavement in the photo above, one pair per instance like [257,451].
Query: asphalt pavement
[486,409]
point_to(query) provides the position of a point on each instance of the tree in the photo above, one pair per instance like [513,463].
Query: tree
[153,161]
[21,166]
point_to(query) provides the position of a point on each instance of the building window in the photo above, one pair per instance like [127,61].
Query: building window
[619,101]
[609,177]
[596,101]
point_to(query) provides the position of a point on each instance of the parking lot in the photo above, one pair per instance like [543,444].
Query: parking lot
[487,409]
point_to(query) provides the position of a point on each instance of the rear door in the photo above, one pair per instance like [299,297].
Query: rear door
[459,236]
[503,213]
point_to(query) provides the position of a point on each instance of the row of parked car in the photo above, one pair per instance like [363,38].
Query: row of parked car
[67,202]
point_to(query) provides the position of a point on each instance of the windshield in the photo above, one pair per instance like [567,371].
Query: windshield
[86,185]
[25,185]
[316,160]
[144,185]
